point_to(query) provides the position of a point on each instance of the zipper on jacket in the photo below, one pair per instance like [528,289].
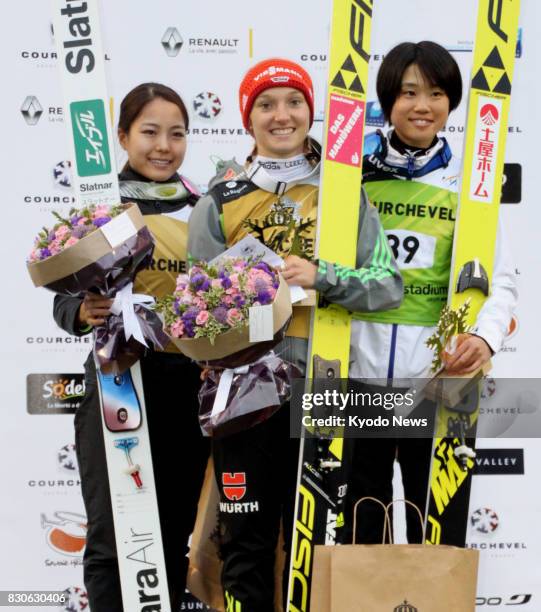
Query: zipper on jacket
[392,353]
[411,166]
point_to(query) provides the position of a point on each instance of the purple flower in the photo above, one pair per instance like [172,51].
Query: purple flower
[190,315]
[79,231]
[101,221]
[226,282]
[51,236]
[200,282]
[188,329]
[264,297]
[176,306]
[75,219]
[239,301]
[220,314]
[260,285]
[188,318]
[263,266]
[44,253]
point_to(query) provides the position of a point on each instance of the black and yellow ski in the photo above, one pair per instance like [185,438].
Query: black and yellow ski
[322,475]
[473,253]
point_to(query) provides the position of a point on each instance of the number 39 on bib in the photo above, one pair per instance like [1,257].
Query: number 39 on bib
[412,249]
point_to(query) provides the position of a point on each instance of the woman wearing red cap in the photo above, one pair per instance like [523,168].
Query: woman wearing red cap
[274,198]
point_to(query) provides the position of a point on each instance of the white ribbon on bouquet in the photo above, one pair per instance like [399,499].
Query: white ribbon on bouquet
[226,380]
[124,302]
[224,386]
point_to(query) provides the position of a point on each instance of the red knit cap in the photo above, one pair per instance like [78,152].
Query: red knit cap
[273,72]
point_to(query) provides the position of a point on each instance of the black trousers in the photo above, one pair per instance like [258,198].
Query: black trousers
[170,383]
[256,474]
[371,475]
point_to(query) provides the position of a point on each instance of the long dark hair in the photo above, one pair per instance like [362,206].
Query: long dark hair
[134,102]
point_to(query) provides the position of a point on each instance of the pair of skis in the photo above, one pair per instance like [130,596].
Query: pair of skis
[127,446]
[322,476]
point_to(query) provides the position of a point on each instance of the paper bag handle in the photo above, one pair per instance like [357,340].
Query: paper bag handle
[419,513]
[386,522]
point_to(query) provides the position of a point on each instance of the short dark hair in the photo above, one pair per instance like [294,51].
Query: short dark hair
[436,64]
[134,102]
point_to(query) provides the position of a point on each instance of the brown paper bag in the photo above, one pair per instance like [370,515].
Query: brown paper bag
[204,573]
[394,577]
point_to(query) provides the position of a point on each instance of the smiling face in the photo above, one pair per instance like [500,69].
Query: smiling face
[156,140]
[420,110]
[279,122]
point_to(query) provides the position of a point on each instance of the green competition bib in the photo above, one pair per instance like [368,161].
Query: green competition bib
[419,221]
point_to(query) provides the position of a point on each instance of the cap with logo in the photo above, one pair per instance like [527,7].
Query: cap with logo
[273,72]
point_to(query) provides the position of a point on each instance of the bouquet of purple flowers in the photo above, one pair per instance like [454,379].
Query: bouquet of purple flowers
[100,249]
[211,300]
[209,318]
[69,230]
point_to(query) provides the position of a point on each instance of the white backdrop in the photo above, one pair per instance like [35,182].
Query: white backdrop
[42,516]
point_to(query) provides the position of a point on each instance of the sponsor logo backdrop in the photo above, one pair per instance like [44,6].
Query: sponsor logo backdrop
[203,53]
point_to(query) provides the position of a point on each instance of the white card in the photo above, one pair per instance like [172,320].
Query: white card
[251,247]
[297,293]
[118,230]
[261,323]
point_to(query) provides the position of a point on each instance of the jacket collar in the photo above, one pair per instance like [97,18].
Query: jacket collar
[260,177]
[411,165]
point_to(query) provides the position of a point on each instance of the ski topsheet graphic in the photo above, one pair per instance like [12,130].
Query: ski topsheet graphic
[322,474]
[129,463]
[473,251]
[86,105]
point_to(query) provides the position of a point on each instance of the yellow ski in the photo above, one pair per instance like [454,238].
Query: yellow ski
[320,488]
[473,250]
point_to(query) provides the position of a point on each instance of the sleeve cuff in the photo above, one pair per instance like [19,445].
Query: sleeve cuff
[494,340]
[326,277]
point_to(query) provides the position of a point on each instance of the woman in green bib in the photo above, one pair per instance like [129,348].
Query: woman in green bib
[411,176]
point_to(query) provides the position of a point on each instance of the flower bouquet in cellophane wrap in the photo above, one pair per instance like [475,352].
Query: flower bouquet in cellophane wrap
[228,316]
[100,249]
